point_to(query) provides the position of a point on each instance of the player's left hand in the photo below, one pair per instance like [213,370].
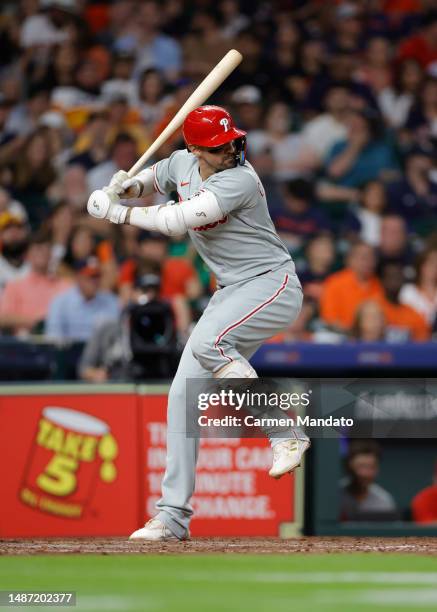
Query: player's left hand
[103,204]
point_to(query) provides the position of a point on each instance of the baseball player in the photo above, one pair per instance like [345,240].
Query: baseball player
[222,205]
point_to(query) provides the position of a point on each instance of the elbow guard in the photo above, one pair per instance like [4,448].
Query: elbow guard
[199,210]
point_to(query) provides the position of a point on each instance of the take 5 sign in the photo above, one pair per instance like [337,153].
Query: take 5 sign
[69,465]
[89,462]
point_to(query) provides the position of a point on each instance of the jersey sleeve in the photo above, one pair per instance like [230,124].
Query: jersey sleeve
[234,190]
[166,172]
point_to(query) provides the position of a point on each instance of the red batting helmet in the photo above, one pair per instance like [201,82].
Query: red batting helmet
[210,126]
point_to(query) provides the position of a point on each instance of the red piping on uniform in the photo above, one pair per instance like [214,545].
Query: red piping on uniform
[241,321]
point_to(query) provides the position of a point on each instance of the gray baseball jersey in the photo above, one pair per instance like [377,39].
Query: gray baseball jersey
[244,242]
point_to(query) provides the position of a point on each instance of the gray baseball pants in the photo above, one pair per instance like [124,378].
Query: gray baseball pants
[237,320]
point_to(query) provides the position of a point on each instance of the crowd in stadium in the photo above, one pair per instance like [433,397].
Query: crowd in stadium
[339,100]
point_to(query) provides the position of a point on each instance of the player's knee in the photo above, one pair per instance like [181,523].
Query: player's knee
[239,368]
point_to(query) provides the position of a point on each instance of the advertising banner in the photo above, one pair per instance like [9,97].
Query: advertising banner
[70,465]
[234,494]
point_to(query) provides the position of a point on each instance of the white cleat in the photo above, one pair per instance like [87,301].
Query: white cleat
[153,531]
[287,456]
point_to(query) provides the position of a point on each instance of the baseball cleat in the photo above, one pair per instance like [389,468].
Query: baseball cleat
[287,456]
[153,531]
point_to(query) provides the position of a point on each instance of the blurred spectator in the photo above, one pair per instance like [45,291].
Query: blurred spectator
[403,322]
[363,156]
[247,100]
[344,291]
[120,80]
[11,206]
[48,27]
[423,45]
[59,136]
[72,188]
[9,142]
[59,224]
[24,118]
[422,294]
[83,244]
[369,324]
[146,323]
[424,503]
[14,241]
[123,156]
[233,21]
[321,133]
[76,312]
[362,499]
[375,70]
[144,37]
[348,28]
[151,100]
[422,118]
[299,219]
[369,213]
[282,146]
[414,196]
[25,301]
[32,173]
[92,144]
[396,100]
[254,70]
[319,262]
[204,45]
[394,246]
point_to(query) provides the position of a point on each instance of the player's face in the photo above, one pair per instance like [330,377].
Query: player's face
[217,158]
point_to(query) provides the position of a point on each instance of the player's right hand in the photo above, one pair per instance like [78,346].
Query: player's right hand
[132,187]
[124,186]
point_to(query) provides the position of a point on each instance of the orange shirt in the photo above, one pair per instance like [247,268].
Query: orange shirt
[424,505]
[175,274]
[403,316]
[342,293]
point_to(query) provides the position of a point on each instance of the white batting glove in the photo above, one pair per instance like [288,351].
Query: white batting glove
[104,204]
[124,186]
[132,188]
[117,180]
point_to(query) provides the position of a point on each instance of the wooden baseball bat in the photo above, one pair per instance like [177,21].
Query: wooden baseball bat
[207,87]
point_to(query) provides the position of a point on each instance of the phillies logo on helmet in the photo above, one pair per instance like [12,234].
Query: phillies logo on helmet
[201,127]
[225,123]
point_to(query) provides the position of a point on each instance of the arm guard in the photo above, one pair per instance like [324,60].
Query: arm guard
[175,220]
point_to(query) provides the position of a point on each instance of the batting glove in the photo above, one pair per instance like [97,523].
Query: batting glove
[124,186]
[103,204]
[133,188]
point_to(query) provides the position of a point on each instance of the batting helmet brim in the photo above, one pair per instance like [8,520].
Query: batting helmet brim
[219,139]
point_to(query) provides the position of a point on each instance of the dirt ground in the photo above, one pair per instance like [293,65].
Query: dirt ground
[311,545]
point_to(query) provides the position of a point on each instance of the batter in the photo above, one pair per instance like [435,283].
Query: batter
[222,205]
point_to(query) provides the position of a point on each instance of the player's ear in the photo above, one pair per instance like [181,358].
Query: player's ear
[194,150]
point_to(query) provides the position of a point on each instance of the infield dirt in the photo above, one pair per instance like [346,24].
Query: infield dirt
[309,545]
